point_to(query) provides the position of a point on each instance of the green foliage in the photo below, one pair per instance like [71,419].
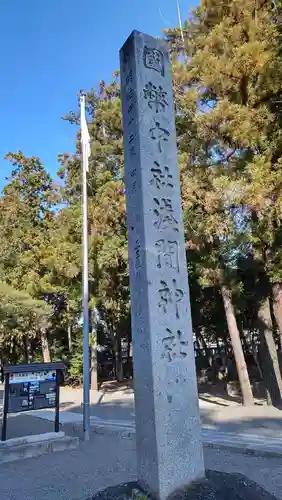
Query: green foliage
[20,316]
[229,132]
[227,91]
[109,281]
[75,370]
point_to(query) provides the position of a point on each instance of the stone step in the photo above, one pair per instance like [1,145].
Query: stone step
[35,446]
[250,444]
[240,443]
[112,427]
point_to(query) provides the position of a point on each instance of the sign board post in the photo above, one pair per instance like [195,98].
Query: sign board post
[31,386]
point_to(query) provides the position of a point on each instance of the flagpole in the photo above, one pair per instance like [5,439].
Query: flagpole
[85,297]
[181,29]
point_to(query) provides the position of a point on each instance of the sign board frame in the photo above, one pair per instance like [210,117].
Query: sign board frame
[32,373]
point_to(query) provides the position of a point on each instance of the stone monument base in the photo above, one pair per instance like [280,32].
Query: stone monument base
[217,486]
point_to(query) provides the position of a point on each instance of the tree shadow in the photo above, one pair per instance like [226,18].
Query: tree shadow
[215,402]
[256,423]
[119,409]
[217,390]
[113,386]
[268,371]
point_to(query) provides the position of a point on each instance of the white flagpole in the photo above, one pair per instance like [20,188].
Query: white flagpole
[181,29]
[85,148]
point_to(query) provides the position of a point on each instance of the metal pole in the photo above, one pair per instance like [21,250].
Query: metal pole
[86,415]
[6,407]
[179,20]
[181,30]
[57,402]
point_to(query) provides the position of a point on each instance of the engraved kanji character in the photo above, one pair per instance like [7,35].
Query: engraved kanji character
[156,96]
[131,119]
[128,79]
[132,151]
[161,176]
[130,107]
[126,57]
[164,212]
[170,297]
[129,94]
[137,254]
[167,254]
[174,346]
[159,134]
[131,138]
[154,59]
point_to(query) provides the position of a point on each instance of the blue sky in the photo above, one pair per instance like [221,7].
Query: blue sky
[49,50]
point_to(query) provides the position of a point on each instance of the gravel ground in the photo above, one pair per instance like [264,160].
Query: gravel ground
[217,486]
[71,475]
[109,460]
[267,472]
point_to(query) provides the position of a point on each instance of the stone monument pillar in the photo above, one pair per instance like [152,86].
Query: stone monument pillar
[169,447]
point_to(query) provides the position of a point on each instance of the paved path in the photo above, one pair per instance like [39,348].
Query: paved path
[225,425]
[216,413]
[109,460]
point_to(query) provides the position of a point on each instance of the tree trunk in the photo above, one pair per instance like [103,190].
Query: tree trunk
[27,346]
[93,350]
[128,349]
[118,360]
[208,352]
[268,354]
[242,370]
[70,337]
[128,371]
[93,363]
[45,346]
[94,374]
[277,302]
[116,345]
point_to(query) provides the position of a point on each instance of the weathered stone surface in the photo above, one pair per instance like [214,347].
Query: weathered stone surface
[169,447]
[217,486]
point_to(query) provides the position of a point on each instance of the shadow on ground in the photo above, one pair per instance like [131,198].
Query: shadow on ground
[237,420]
[20,425]
[260,420]
[216,414]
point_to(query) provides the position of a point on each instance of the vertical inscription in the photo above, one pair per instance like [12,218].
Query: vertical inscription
[170,297]
[129,117]
[156,97]
[164,215]
[137,254]
[153,59]
[174,345]
[161,176]
[165,219]
[159,134]
[167,254]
